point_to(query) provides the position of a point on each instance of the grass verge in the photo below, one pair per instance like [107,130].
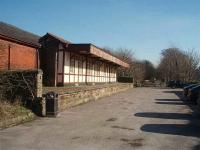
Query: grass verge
[13,114]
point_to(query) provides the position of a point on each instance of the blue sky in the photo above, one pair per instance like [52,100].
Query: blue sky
[145,26]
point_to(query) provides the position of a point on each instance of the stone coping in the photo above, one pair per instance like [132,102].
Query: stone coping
[76,89]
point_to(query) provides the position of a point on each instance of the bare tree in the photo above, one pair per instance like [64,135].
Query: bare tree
[139,72]
[149,70]
[192,64]
[126,55]
[177,64]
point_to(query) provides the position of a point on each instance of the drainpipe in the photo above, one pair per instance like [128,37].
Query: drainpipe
[38,59]
[86,71]
[9,57]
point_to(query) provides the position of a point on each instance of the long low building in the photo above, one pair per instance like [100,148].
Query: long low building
[67,63]
[62,62]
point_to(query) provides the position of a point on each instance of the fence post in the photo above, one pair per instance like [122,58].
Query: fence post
[39,93]
[39,84]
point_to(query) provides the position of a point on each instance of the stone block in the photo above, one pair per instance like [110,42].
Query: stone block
[69,100]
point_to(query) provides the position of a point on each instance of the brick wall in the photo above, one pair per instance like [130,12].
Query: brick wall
[15,56]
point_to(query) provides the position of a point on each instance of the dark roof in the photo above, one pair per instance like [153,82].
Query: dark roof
[18,34]
[107,51]
[102,49]
[86,49]
[55,37]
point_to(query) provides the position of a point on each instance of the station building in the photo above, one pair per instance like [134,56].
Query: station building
[64,62]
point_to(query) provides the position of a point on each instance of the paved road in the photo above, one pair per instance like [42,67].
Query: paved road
[142,118]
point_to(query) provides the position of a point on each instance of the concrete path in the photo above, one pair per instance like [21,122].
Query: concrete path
[141,118]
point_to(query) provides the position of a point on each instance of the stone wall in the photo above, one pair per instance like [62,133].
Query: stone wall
[125,79]
[76,98]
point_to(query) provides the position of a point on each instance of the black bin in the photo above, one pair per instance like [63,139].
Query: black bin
[51,104]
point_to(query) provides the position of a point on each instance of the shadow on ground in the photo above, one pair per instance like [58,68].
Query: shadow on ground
[173,129]
[172,103]
[197,147]
[167,115]
[179,101]
[192,128]
[168,100]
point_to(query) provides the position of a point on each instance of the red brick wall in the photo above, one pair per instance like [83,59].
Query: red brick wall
[21,57]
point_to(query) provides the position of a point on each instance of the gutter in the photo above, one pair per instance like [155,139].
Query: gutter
[19,41]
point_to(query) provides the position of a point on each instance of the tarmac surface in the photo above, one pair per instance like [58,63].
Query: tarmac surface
[140,118]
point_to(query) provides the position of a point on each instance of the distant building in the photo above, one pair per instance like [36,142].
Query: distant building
[18,48]
[62,62]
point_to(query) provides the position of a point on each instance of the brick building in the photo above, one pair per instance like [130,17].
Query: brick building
[18,48]
[66,63]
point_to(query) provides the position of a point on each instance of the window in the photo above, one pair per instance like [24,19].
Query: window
[72,64]
[80,66]
[95,69]
[90,68]
[98,68]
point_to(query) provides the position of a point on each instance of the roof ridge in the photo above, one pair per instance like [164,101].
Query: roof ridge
[58,37]
[18,28]
[18,34]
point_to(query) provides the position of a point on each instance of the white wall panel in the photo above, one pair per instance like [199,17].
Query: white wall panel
[76,78]
[84,68]
[66,79]
[84,79]
[80,78]
[76,66]
[67,62]
[71,78]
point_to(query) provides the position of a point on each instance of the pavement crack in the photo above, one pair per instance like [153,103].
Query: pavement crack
[120,127]
[135,142]
[112,119]
[76,137]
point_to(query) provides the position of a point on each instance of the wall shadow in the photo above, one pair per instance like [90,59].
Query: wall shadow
[197,147]
[174,103]
[179,116]
[191,129]
[173,129]
[168,100]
